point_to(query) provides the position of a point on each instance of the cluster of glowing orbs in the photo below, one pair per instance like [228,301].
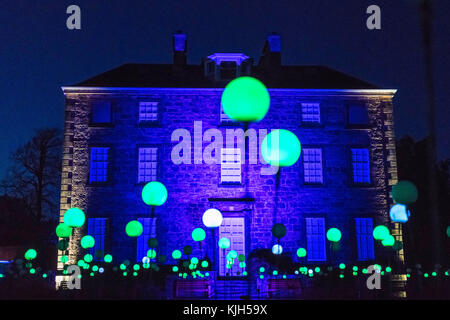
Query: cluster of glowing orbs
[399,213]
[404,192]
[277,249]
[281,148]
[154,193]
[30,254]
[87,242]
[63,230]
[212,218]
[245,99]
[134,228]
[380,232]
[224,243]
[388,241]
[278,230]
[301,252]
[74,218]
[176,254]
[198,234]
[334,235]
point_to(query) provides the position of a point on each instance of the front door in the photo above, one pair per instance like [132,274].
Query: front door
[232,228]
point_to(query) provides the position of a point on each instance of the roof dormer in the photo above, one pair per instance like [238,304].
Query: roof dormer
[227,66]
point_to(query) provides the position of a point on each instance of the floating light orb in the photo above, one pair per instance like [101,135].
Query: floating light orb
[388,241]
[151,254]
[281,148]
[245,99]
[108,258]
[101,270]
[212,218]
[198,234]
[145,260]
[399,213]
[87,242]
[342,266]
[187,250]
[134,228]
[62,244]
[194,260]
[448,231]
[241,258]
[232,254]
[30,254]
[334,234]
[64,259]
[224,243]
[136,267]
[277,249]
[154,193]
[176,254]
[95,268]
[278,230]
[205,264]
[380,232]
[175,269]
[88,258]
[74,218]
[301,252]
[63,231]
[404,192]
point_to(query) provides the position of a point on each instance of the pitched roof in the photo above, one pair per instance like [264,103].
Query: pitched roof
[164,76]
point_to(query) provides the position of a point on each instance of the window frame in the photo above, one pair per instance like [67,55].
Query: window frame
[349,125]
[105,237]
[91,114]
[355,243]
[108,166]
[309,124]
[322,162]
[324,238]
[231,183]
[139,239]
[352,178]
[149,123]
[158,162]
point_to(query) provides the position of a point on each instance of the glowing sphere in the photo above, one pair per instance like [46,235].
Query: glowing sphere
[205,264]
[62,244]
[187,250]
[380,232]
[134,228]
[277,249]
[245,99]
[63,231]
[198,234]
[87,242]
[152,242]
[404,192]
[399,213]
[74,217]
[241,258]
[388,241]
[224,243]
[212,218]
[301,252]
[88,258]
[448,231]
[176,254]
[278,230]
[334,235]
[194,260]
[30,254]
[281,148]
[151,254]
[154,193]
[232,254]
[108,258]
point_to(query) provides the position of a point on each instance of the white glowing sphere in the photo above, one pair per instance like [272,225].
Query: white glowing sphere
[277,249]
[212,218]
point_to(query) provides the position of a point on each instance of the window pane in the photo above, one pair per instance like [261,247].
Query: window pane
[149,231]
[310,112]
[98,165]
[312,165]
[364,238]
[361,166]
[357,115]
[101,112]
[230,165]
[315,239]
[148,111]
[147,164]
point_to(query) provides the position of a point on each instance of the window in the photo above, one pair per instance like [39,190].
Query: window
[315,239]
[98,171]
[230,165]
[361,166]
[311,113]
[147,166]
[364,239]
[312,165]
[97,229]
[227,69]
[357,115]
[149,231]
[101,112]
[148,111]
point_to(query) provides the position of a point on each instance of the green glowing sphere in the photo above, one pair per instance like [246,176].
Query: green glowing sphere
[175,269]
[108,258]
[232,254]
[388,269]
[95,268]
[278,230]
[32,271]
[262,269]
[205,264]
[388,241]
[194,260]
[187,250]
[154,193]
[245,99]
[87,242]
[88,258]
[404,192]
[30,254]
[99,254]
[198,234]
[63,231]
[64,259]
[342,266]
[334,235]
[62,244]
[301,252]
[74,217]
[241,258]
[151,254]
[176,254]
[281,148]
[134,228]
[448,231]
[224,243]
[380,232]
[136,267]
[152,242]
[397,245]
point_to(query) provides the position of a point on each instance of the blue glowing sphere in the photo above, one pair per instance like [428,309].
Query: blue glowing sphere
[399,213]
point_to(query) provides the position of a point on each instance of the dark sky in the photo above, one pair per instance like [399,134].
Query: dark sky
[38,54]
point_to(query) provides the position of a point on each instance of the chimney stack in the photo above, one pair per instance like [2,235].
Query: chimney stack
[179,45]
[271,55]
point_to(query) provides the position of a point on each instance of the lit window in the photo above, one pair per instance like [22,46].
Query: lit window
[101,112]
[97,229]
[315,239]
[148,111]
[357,115]
[148,161]
[361,166]
[148,231]
[98,171]
[312,165]
[230,165]
[311,113]
[364,238]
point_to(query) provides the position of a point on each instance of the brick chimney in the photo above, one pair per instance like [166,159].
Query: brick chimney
[179,45]
[271,54]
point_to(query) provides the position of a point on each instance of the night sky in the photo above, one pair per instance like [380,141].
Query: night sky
[39,54]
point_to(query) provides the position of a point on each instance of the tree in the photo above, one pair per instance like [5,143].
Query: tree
[34,176]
